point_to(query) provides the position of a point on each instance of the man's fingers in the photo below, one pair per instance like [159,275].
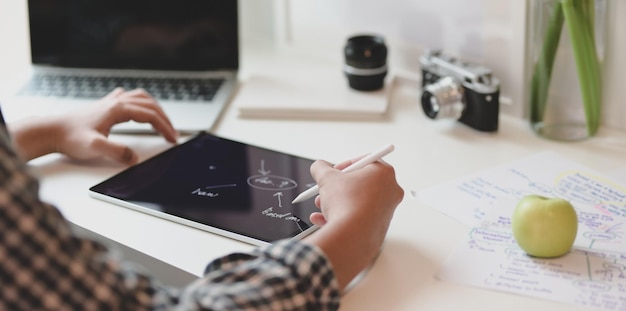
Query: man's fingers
[344,164]
[146,102]
[138,92]
[113,150]
[317,219]
[320,167]
[140,112]
[115,93]
[143,98]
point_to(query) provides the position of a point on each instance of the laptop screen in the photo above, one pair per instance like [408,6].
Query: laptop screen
[135,34]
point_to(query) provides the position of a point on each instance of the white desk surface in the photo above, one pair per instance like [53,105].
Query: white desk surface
[420,238]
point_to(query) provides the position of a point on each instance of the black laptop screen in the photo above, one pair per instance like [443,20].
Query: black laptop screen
[135,34]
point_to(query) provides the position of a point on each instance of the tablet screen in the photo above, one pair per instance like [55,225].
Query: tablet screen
[222,186]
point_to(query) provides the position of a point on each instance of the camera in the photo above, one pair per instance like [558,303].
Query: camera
[459,90]
[365,62]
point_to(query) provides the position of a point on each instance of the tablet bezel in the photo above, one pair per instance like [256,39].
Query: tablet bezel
[187,222]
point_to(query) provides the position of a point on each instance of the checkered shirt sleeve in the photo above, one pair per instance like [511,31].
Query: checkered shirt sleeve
[44,266]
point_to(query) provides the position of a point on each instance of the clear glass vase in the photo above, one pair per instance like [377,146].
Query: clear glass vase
[565,52]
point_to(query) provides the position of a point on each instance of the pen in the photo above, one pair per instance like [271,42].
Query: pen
[369,159]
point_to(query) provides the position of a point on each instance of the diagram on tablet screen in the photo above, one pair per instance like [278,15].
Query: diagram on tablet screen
[271,182]
[274,185]
[221,186]
[267,182]
[209,191]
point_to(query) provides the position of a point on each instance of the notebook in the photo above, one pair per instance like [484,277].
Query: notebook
[184,52]
[325,95]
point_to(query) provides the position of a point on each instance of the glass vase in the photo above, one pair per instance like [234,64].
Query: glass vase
[565,51]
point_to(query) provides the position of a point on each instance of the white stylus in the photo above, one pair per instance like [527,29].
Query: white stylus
[369,159]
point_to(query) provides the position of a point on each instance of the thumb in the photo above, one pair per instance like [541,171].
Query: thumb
[320,168]
[115,151]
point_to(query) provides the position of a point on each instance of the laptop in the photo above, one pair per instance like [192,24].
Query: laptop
[185,53]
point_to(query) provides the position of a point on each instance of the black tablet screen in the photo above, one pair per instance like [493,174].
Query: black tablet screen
[220,183]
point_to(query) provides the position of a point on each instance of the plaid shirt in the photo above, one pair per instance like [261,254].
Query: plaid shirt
[44,266]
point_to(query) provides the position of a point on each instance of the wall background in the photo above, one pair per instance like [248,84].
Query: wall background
[490,32]
[476,30]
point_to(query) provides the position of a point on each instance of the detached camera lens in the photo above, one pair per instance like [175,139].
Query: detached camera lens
[366,62]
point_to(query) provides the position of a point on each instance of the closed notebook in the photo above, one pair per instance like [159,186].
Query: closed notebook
[310,98]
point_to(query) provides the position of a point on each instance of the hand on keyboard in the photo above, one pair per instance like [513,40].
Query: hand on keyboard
[83,134]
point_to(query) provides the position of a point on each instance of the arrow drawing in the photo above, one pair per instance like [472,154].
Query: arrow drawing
[279,195]
[221,186]
[262,171]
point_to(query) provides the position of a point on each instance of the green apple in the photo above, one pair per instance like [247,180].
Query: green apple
[544,227]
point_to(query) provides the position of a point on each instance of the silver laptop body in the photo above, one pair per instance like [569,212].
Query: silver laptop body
[185,53]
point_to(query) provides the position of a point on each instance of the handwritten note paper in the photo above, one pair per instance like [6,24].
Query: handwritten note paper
[593,274]
[618,174]
[547,174]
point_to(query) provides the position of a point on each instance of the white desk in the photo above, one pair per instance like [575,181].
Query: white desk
[419,239]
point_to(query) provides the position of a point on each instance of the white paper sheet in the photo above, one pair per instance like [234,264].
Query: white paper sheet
[618,174]
[593,274]
[467,199]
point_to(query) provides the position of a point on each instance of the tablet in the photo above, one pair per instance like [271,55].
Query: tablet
[219,185]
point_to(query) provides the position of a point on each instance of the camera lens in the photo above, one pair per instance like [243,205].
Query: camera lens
[366,62]
[443,99]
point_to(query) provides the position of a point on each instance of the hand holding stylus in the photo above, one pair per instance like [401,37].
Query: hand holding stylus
[369,159]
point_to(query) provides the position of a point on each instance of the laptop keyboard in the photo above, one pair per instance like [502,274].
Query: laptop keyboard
[181,89]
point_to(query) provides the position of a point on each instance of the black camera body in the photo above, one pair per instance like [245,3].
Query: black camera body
[455,89]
